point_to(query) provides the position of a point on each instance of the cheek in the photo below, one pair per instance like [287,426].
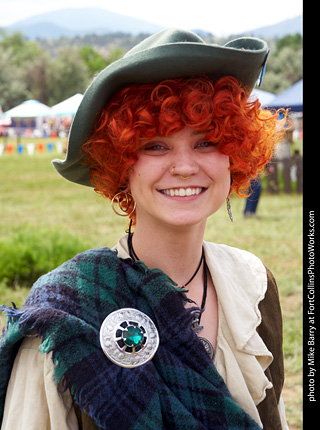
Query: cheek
[133,179]
[227,168]
[141,176]
[220,168]
[224,160]
[150,168]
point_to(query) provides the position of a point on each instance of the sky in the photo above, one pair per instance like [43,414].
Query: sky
[220,17]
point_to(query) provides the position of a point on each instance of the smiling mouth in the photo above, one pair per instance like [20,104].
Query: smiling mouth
[182,192]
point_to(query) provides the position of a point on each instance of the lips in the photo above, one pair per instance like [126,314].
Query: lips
[182,192]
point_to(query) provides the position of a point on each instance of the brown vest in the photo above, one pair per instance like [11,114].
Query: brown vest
[270,331]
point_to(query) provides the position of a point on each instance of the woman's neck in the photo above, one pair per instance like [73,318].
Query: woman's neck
[175,251]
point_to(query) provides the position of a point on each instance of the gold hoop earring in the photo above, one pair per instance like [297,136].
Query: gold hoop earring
[125,200]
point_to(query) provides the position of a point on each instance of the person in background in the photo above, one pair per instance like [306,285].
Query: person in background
[252,200]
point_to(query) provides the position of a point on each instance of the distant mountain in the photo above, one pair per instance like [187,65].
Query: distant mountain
[73,22]
[78,22]
[42,30]
[281,29]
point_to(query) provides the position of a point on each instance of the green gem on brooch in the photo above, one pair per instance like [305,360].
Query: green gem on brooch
[132,336]
[129,338]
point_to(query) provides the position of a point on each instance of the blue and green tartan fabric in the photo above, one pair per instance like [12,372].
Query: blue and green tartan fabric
[179,389]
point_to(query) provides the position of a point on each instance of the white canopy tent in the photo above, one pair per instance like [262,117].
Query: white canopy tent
[68,106]
[28,109]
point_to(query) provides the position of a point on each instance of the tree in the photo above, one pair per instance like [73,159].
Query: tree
[288,62]
[293,41]
[22,50]
[114,55]
[16,57]
[37,77]
[27,71]
[93,60]
[284,67]
[13,89]
[68,75]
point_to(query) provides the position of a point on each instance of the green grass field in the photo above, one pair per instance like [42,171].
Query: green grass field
[45,220]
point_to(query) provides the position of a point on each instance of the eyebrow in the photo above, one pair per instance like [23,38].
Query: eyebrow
[196,132]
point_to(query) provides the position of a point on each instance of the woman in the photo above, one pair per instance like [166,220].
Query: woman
[165,330]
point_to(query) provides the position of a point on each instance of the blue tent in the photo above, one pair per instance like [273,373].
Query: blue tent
[290,98]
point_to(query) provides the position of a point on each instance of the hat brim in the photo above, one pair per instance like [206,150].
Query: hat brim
[242,58]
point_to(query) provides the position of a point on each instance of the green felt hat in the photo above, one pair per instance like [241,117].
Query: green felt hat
[165,55]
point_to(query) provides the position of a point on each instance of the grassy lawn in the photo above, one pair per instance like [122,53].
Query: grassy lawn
[48,219]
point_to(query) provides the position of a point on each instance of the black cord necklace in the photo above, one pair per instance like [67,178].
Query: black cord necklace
[134,256]
[196,327]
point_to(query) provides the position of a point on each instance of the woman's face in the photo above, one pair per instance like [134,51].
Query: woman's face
[159,190]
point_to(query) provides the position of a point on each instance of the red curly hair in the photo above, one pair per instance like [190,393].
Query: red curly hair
[243,131]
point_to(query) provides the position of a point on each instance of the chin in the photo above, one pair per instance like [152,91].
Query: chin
[181,223]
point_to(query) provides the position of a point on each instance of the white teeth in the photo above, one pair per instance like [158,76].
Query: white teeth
[182,192]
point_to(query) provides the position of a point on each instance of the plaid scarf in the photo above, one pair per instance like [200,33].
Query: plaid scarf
[178,389]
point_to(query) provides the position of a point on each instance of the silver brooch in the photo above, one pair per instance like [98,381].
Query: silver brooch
[128,337]
[207,346]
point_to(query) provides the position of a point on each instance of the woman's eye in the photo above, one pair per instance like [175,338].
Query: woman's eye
[154,147]
[207,144]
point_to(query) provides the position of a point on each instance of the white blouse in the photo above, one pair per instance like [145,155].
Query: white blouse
[33,400]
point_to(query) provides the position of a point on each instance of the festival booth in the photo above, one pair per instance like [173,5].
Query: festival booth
[63,113]
[28,118]
[290,98]
[31,119]
[36,120]
[67,107]
[289,153]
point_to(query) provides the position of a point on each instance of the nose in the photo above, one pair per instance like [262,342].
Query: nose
[183,164]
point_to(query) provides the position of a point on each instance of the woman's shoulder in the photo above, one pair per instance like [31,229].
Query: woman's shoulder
[81,263]
[227,255]
[241,258]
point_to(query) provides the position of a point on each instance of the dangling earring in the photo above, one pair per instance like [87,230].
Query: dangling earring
[124,201]
[229,209]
